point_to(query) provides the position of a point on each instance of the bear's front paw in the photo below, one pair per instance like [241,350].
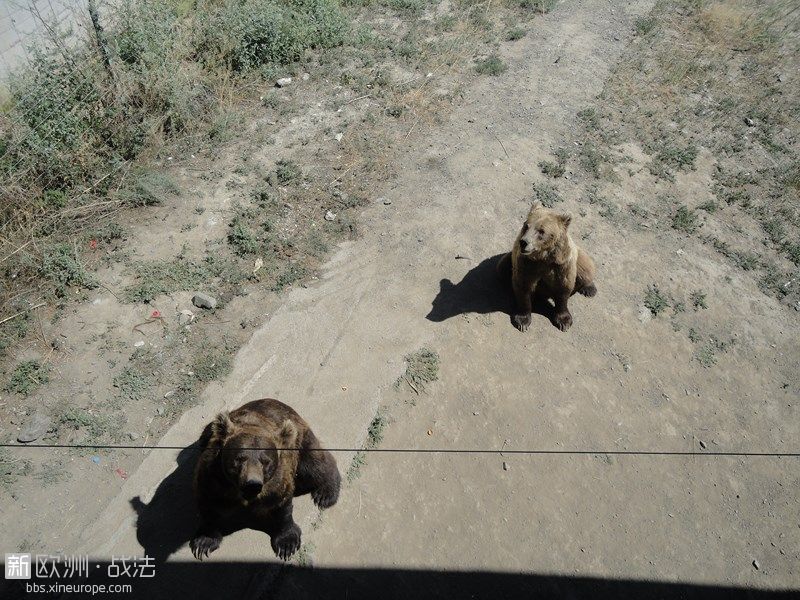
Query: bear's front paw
[287,542]
[325,496]
[563,320]
[522,322]
[202,545]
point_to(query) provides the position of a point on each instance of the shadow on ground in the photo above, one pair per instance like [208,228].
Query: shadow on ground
[268,580]
[170,519]
[482,290]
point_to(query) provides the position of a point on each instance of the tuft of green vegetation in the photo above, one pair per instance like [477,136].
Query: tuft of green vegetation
[686,220]
[241,237]
[707,354]
[698,298]
[211,366]
[493,65]
[52,473]
[546,194]
[12,468]
[168,276]
[131,383]
[644,25]
[374,437]
[287,172]
[540,6]
[558,168]
[147,188]
[515,33]
[26,377]
[655,300]
[376,429]
[62,267]
[422,368]
[98,427]
[710,207]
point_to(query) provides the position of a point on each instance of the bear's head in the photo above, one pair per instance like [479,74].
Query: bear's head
[543,233]
[252,454]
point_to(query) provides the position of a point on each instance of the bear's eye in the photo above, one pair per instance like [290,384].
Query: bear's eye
[524,227]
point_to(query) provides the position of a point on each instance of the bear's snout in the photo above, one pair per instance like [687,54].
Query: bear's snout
[252,487]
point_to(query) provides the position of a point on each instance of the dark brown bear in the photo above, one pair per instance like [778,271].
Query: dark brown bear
[253,462]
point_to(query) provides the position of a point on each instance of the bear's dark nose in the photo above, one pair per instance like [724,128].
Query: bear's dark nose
[523,243]
[252,487]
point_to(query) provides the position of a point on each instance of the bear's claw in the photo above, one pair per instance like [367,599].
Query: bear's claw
[286,543]
[563,321]
[203,545]
[325,497]
[522,322]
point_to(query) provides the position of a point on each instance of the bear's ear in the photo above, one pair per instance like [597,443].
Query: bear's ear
[288,434]
[565,220]
[535,206]
[221,428]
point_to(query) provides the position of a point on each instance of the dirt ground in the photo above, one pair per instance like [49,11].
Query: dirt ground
[625,377]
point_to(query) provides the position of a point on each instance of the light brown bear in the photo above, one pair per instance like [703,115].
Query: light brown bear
[545,263]
[253,462]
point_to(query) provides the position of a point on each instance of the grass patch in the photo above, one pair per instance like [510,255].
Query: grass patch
[12,468]
[492,65]
[698,299]
[374,437]
[168,276]
[686,220]
[26,377]
[514,34]
[52,473]
[707,354]
[422,368]
[132,384]
[655,300]
[546,194]
[211,366]
[644,25]
[540,6]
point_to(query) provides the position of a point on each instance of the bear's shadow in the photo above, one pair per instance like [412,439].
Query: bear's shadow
[170,519]
[482,290]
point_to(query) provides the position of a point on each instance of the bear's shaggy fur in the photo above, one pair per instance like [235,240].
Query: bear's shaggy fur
[253,462]
[545,263]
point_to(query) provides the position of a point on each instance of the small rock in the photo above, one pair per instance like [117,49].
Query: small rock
[626,367]
[138,344]
[779,78]
[133,436]
[330,216]
[680,252]
[185,317]
[505,466]
[386,202]
[283,81]
[475,412]
[749,122]
[702,444]
[756,565]
[305,76]
[339,137]
[201,300]
[160,411]
[35,428]
[644,314]
[95,460]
